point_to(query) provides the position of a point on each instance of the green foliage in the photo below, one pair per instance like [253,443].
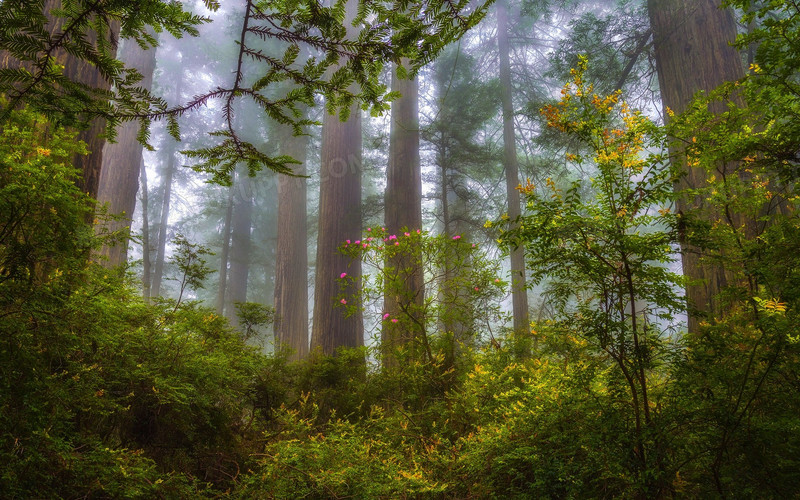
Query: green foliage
[739,372]
[100,394]
[192,267]
[461,290]
[37,42]
[605,256]
[341,61]
[42,215]
[103,395]
[253,315]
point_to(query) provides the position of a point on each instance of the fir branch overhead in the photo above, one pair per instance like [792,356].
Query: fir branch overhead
[320,56]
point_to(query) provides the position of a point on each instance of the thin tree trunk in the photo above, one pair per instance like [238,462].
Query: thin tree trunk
[163,226]
[240,246]
[403,201]
[171,146]
[146,267]
[693,53]
[226,246]
[122,161]
[291,261]
[519,292]
[339,220]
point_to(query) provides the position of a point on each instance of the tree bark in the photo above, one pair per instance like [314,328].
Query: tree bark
[119,176]
[240,246]
[693,52]
[453,195]
[339,220]
[291,261]
[163,227]
[226,247]
[146,266]
[519,292]
[403,202]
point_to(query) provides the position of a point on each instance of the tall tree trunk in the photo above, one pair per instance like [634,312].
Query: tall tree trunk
[339,220]
[240,246]
[291,261]
[226,246]
[171,147]
[146,251]
[453,195]
[692,49]
[403,202]
[519,292]
[119,176]
[163,227]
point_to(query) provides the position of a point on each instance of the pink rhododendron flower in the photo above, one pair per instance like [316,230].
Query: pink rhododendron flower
[343,301]
[396,243]
[348,241]
[457,237]
[358,242]
[476,288]
[497,280]
[385,316]
[393,237]
[343,275]
[394,320]
[369,229]
[407,234]
[418,231]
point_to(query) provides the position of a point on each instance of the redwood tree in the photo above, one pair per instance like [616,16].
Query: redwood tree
[403,202]
[119,175]
[339,220]
[240,246]
[519,291]
[692,40]
[291,264]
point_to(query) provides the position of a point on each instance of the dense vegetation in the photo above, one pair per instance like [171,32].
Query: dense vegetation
[106,394]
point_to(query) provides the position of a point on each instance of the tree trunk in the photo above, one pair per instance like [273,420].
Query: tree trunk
[226,246]
[519,292]
[693,53]
[119,176]
[339,220]
[240,246]
[163,227]
[403,202]
[170,146]
[146,267]
[453,195]
[291,261]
